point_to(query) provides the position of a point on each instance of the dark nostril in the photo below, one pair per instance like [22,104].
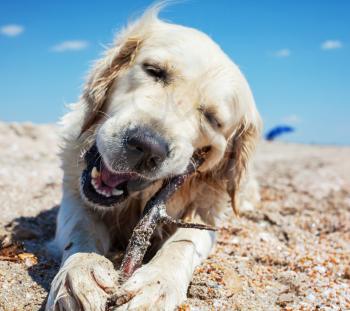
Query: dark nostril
[154,161]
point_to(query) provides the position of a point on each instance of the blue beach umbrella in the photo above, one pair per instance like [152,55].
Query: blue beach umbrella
[278,131]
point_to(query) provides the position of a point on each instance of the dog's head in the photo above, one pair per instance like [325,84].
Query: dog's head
[159,93]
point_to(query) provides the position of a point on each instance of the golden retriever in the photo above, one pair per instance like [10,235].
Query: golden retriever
[159,93]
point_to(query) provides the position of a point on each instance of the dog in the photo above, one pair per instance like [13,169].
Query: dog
[158,94]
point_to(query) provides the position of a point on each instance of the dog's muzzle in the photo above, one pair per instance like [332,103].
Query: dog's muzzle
[143,152]
[104,187]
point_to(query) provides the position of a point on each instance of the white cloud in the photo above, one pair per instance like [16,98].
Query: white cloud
[291,119]
[331,45]
[11,30]
[282,53]
[70,45]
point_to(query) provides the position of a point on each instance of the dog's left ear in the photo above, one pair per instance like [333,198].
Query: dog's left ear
[235,163]
[238,152]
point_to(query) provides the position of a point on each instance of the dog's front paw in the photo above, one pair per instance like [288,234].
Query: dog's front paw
[83,283]
[153,289]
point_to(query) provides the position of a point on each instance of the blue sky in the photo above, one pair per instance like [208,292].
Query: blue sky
[295,55]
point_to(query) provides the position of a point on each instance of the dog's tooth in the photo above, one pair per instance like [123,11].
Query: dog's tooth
[103,192]
[93,183]
[96,187]
[95,173]
[117,192]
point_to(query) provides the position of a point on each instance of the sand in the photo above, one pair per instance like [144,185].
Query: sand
[290,252]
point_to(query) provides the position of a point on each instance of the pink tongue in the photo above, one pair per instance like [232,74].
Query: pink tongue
[110,179]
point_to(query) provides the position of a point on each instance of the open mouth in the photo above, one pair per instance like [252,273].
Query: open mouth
[104,187]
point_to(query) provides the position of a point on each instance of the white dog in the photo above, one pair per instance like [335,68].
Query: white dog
[159,93]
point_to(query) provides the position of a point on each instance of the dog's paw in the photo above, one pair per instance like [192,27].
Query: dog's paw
[153,289]
[83,283]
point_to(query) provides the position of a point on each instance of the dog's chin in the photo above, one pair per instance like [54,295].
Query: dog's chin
[102,187]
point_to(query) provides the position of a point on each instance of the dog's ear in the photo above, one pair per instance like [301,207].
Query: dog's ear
[115,61]
[236,158]
[103,76]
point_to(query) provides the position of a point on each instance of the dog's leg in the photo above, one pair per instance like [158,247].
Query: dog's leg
[85,276]
[162,283]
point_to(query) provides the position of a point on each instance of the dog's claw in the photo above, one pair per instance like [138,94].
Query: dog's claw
[119,299]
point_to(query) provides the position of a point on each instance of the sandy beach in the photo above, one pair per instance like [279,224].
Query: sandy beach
[290,252]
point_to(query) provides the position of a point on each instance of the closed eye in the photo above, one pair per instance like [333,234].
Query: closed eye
[156,72]
[211,118]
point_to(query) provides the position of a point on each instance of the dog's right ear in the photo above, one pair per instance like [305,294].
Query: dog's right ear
[116,60]
[104,74]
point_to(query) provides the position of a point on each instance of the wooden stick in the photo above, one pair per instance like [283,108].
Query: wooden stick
[155,214]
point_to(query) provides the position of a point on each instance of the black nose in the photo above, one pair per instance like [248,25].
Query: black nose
[145,149]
